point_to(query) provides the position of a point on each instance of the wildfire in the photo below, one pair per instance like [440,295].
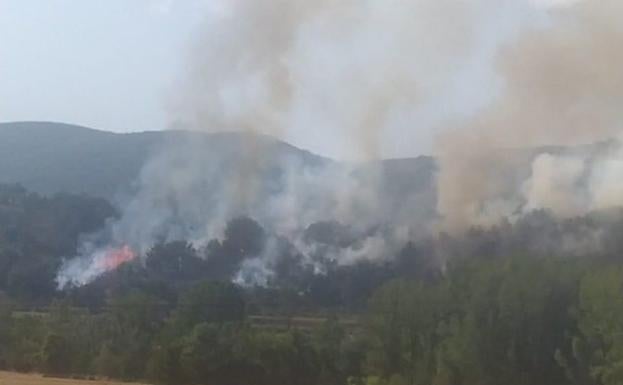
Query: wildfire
[113,258]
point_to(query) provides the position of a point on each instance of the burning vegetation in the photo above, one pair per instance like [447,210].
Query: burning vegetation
[495,261]
[112,259]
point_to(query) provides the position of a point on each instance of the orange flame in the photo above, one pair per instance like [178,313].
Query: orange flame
[116,257]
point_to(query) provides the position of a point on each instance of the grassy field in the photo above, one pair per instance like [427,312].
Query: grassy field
[7,378]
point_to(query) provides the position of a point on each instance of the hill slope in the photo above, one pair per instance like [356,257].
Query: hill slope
[54,157]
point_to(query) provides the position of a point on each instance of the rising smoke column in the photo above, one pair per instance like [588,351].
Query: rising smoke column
[562,86]
[357,77]
[347,73]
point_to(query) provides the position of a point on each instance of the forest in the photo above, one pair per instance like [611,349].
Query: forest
[516,304]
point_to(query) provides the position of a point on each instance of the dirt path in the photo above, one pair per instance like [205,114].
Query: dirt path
[7,378]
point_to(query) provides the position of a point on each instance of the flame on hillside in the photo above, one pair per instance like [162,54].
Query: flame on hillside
[114,258]
[78,272]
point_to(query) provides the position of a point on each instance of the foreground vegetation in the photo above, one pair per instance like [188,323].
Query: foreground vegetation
[515,304]
[517,321]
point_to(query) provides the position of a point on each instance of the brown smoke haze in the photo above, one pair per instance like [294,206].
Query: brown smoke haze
[343,69]
[501,83]
[562,86]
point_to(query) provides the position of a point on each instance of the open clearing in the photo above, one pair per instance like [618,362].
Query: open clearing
[7,378]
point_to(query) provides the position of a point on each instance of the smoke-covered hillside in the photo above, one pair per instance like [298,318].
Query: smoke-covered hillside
[48,157]
[187,185]
[178,185]
[54,157]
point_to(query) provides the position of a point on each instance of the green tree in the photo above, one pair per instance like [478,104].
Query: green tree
[514,317]
[163,366]
[55,355]
[210,302]
[404,330]
[109,361]
[329,342]
[6,324]
[600,323]
[26,339]
[136,318]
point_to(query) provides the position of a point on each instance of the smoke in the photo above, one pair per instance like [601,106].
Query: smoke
[360,80]
[92,263]
[553,183]
[577,184]
[338,76]
[561,86]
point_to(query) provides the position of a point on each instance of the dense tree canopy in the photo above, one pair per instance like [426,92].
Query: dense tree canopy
[529,303]
[36,232]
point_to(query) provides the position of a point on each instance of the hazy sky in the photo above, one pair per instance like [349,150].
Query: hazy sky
[105,64]
[112,65]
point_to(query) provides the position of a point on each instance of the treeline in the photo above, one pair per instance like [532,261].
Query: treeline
[513,321]
[205,339]
[36,232]
[539,301]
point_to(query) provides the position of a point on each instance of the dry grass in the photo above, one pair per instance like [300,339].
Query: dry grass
[7,378]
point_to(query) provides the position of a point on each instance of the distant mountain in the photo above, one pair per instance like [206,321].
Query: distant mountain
[54,157]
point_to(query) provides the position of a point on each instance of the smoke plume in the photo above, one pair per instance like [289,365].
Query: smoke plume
[561,86]
[361,80]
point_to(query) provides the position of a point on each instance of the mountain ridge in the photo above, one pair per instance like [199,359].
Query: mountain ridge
[54,157]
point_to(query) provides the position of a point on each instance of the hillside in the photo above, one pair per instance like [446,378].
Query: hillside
[53,157]
[50,157]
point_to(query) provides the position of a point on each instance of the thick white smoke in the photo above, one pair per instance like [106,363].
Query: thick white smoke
[350,78]
[576,184]
[553,185]
[561,86]
[363,79]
